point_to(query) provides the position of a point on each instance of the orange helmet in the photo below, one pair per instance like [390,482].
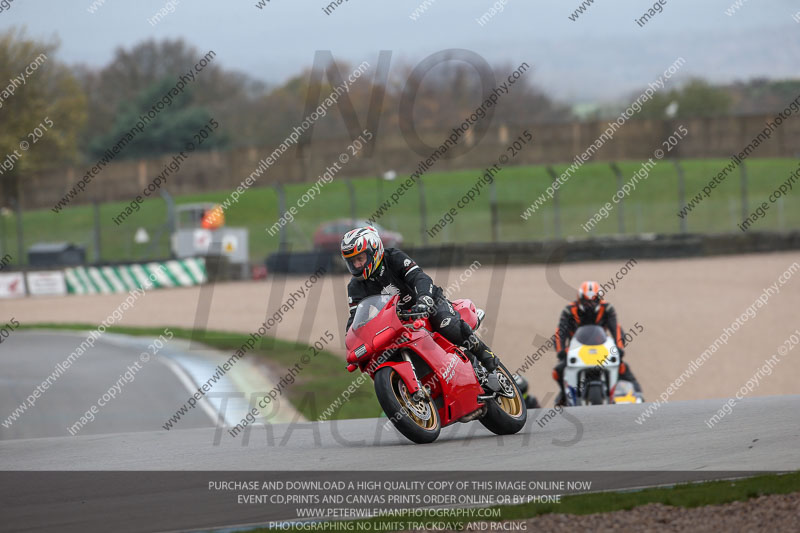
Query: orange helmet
[589,294]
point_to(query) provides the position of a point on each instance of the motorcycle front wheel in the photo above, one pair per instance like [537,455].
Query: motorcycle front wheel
[418,421]
[595,395]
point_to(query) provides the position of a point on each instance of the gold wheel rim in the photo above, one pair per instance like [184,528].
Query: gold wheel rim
[512,406]
[414,409]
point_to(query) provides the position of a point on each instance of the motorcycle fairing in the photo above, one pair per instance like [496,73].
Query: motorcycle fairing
[466,308]
[452,375]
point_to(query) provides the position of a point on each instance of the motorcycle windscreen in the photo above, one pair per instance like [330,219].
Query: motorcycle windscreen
[590,335]
[368,308]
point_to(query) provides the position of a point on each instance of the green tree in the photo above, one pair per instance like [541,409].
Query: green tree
[49,95]
[174,126]
[699,99]
[227,95]
[657,105]
[695,99]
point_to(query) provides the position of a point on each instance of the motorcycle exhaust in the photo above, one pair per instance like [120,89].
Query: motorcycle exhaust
[484,397]
[474,415]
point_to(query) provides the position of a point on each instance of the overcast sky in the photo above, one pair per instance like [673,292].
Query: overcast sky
[602,55]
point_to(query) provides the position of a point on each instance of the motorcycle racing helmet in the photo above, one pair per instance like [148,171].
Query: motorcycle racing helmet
[589,296]
[359,241]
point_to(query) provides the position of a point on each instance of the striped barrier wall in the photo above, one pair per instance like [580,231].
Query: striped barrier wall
[125,278]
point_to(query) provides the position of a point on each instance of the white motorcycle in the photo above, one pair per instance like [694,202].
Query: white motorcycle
[591,376]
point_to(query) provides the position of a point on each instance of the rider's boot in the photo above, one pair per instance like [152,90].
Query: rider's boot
[561,399]
[627,375]
[489,361]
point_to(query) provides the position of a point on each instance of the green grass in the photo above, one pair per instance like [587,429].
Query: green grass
[685,495]
[652,207]
[682,495]
[314,389]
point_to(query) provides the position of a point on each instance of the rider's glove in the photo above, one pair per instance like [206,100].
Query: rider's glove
[562,355]
[424,306]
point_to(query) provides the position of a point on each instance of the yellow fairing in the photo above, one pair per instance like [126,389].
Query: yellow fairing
[628,398]
[593,355]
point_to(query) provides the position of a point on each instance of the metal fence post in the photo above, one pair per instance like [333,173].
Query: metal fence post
[423,212]
[732,211]
[282,242]
[97,245]
[744,190]
[493,210]
[379,199]
[168,228]
[351,191]
[3,237]
[621,209]
[639,218]
[681,194]
[21,259]
[21,245]
[556,207]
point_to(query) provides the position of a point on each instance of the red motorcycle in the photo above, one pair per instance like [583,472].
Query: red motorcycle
[423,381]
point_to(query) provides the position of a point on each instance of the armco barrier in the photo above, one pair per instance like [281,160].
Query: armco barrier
[611,248]
[124,278]
[304,262]
[650,246]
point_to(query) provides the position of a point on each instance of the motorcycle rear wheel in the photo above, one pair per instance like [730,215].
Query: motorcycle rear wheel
[505,416]
[417,421]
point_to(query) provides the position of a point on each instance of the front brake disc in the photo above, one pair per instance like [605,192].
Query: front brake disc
[421,410]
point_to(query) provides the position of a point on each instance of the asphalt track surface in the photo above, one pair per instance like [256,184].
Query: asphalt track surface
[760,434]
[145,394]
[27,358]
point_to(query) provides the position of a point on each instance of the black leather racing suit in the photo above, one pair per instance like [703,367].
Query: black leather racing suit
[399,274]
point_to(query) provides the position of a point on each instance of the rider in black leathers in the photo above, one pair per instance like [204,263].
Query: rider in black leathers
[376,271]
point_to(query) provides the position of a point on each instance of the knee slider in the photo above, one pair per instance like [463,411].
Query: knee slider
[454,333]
[466,331]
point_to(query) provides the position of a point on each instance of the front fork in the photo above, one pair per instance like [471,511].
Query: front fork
[422,393]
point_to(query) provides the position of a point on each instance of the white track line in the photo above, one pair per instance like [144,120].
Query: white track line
[191,386]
